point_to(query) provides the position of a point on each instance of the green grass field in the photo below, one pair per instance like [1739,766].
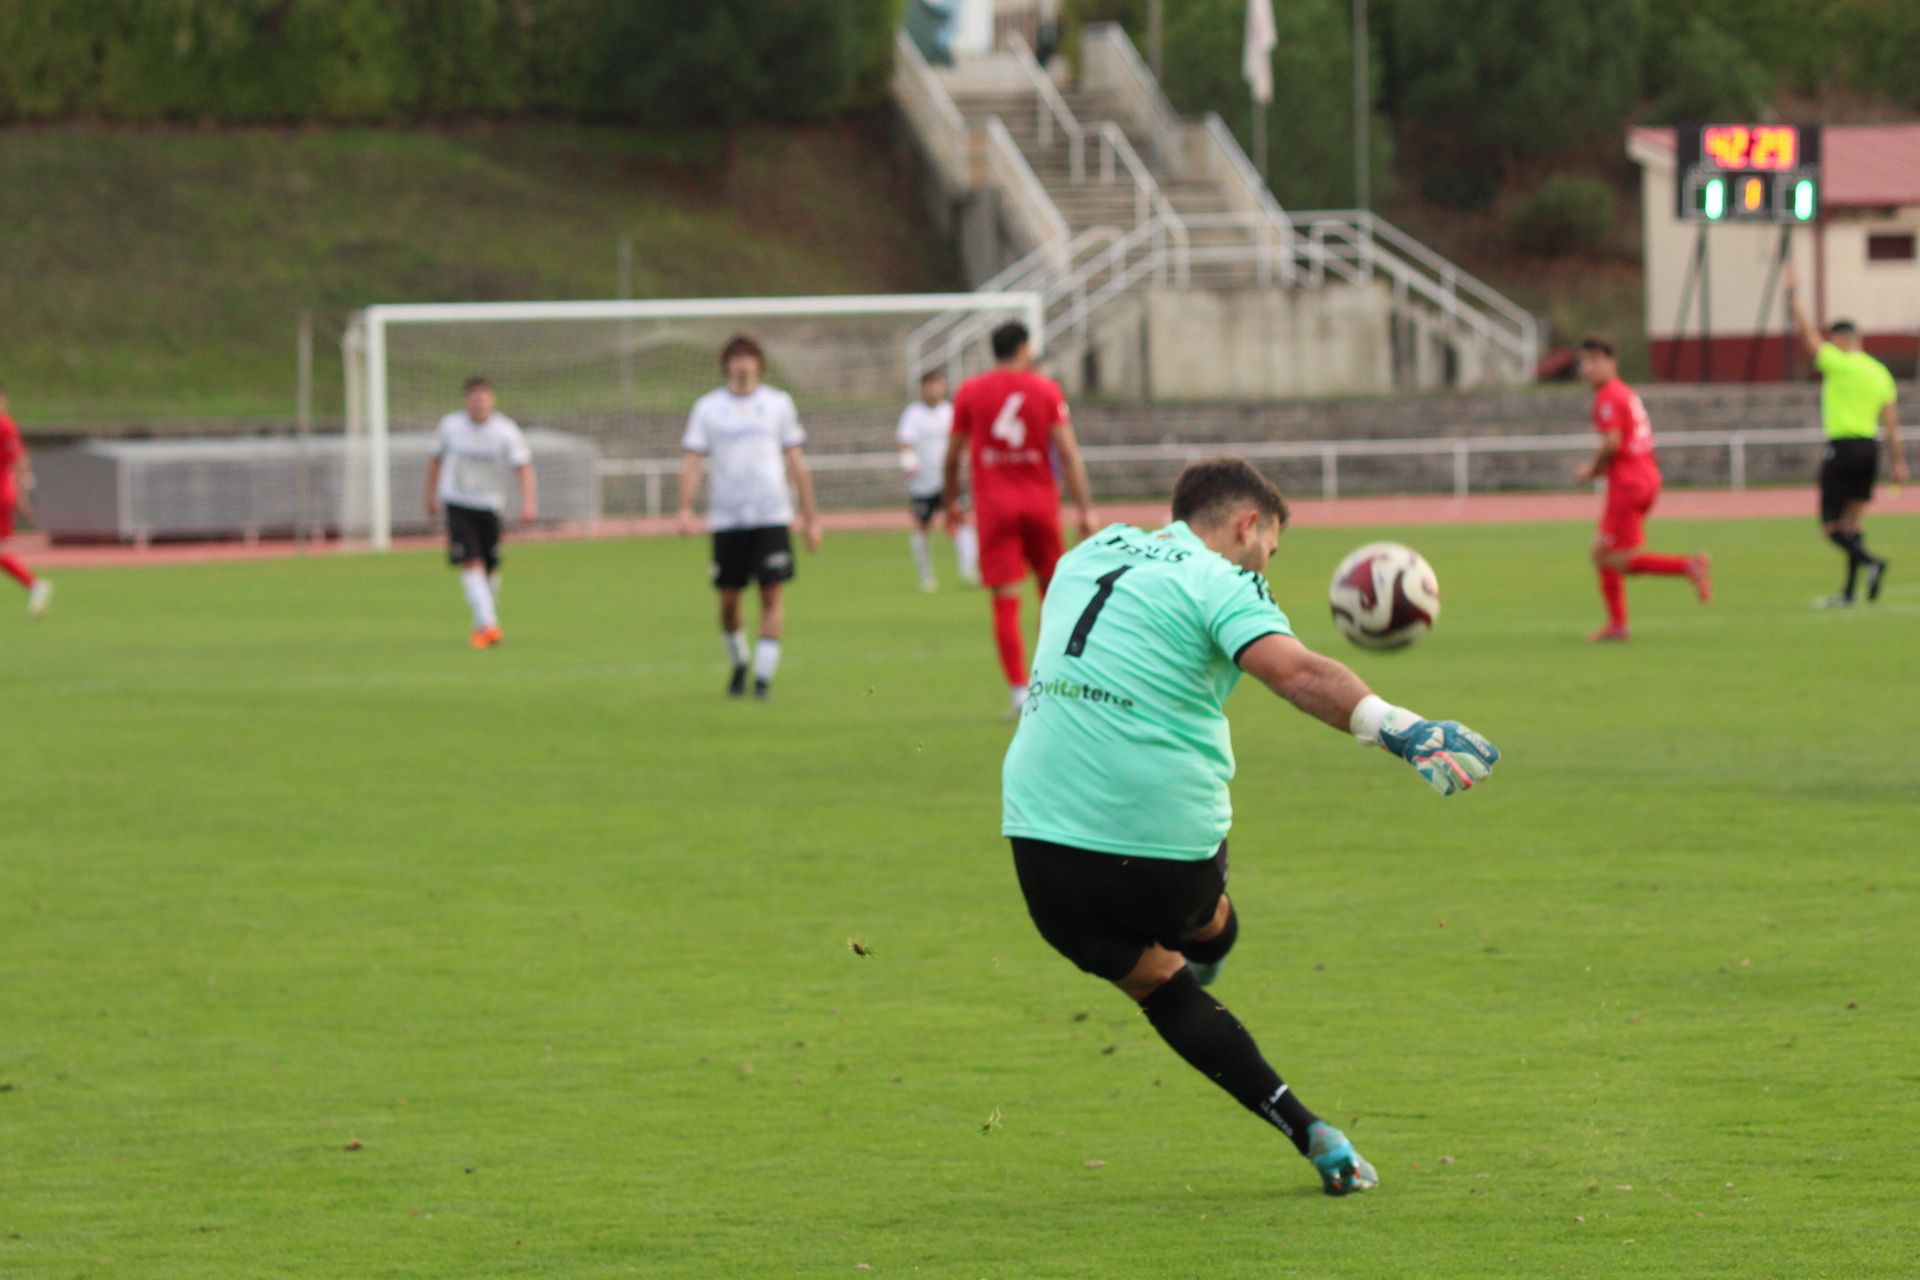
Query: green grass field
[331,948]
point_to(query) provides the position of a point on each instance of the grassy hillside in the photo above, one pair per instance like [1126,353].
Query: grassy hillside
[153,275]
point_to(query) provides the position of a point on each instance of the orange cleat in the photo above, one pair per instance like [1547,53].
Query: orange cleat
[1700,574]
[1608,635]
[487,637]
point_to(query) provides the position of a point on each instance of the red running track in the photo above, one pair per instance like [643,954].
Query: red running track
[1520,508]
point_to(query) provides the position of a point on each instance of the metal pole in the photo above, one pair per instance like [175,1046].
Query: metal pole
[1260,137]
[1156,37]
[1686,306]
[303,431]
[379,480]
[623,284]
[1766,304]
[1706,310]
[1362,122]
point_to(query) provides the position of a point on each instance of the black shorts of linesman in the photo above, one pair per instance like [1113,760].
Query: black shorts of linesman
[748,436]
[1115,790]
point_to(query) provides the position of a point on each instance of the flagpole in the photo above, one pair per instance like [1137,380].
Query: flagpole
[1260,136]
[1362,123]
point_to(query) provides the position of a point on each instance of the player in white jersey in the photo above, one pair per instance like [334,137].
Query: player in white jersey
[473,450]
[925,427]
[749,436]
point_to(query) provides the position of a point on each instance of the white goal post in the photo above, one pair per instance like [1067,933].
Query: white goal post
[608,383]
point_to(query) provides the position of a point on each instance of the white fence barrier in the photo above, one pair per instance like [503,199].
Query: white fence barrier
[655,472]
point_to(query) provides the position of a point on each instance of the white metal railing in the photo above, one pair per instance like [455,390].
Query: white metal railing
[1150,203]
[1050,109]
[1247,191]
[931,108]
[654,472]
[1035,208]
[1376,242]
[1110,62]
[1303,249]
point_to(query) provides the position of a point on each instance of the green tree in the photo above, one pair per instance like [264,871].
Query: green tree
[1499,79]
[1706,74]
[1309,122]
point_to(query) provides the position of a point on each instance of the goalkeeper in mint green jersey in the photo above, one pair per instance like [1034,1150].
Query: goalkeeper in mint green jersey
[1115,790]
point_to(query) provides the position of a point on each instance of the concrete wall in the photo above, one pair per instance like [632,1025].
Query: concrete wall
[1234,343]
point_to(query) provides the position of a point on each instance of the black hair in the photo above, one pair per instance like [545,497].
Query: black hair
[1008,339]
[1211,489]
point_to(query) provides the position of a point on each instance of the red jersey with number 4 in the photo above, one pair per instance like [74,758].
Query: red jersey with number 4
[1008,417]
[1617,409]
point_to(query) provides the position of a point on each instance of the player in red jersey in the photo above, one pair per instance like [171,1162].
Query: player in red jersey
[16,483]
[1010,421]
[1626,458]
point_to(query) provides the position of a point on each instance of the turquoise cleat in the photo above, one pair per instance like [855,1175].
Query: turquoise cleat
[1342,1169]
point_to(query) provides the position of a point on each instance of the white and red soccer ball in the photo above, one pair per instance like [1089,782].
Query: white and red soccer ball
[1384,596]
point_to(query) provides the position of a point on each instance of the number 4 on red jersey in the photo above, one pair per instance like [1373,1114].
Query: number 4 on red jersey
[1007,417]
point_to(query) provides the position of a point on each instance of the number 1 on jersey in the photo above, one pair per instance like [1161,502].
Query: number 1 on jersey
[1077,642]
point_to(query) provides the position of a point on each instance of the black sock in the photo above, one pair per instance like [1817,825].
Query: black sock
[1856,548]
[1214,949]
[1213,1042]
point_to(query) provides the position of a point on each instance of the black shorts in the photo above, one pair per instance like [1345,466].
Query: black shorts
[1847,472]
[763,555]
[473,533]
[1102,910]
[925,509]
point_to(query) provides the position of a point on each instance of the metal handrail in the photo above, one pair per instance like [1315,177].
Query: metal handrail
[1149,198]
[952,126]
[1162,123]
[1252,184]
[1406,244]
[1462,450]
[1051,108]
[1053,229]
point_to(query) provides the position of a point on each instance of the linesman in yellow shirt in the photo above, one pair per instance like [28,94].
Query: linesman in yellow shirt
[1857,398]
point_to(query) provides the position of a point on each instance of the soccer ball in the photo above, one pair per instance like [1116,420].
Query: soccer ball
[1384,596]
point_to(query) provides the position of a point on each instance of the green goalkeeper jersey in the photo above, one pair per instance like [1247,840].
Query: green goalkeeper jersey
[1123,745]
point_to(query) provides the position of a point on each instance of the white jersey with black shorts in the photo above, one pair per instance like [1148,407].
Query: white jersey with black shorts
[475,460]
[749,503]
[925,430]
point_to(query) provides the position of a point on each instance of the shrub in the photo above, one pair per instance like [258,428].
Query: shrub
[1565,214]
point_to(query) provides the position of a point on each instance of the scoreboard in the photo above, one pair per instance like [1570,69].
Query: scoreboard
[1761,173]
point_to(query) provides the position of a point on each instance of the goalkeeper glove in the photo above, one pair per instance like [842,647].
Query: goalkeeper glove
[1450,756]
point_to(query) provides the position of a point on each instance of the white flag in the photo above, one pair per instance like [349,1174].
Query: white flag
[1257,62]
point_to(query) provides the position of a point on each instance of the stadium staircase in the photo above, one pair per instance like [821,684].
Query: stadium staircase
[1110,193]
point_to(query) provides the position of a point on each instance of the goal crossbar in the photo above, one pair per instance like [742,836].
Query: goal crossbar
[366,348]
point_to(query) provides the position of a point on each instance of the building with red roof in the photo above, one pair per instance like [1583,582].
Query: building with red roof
[1858,260]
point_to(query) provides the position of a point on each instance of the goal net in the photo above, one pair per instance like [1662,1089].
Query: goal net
[603,390]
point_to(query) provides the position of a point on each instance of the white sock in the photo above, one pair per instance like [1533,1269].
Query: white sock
[966,545]
[766,658]
[921,560]
[736,646]
[473,585]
